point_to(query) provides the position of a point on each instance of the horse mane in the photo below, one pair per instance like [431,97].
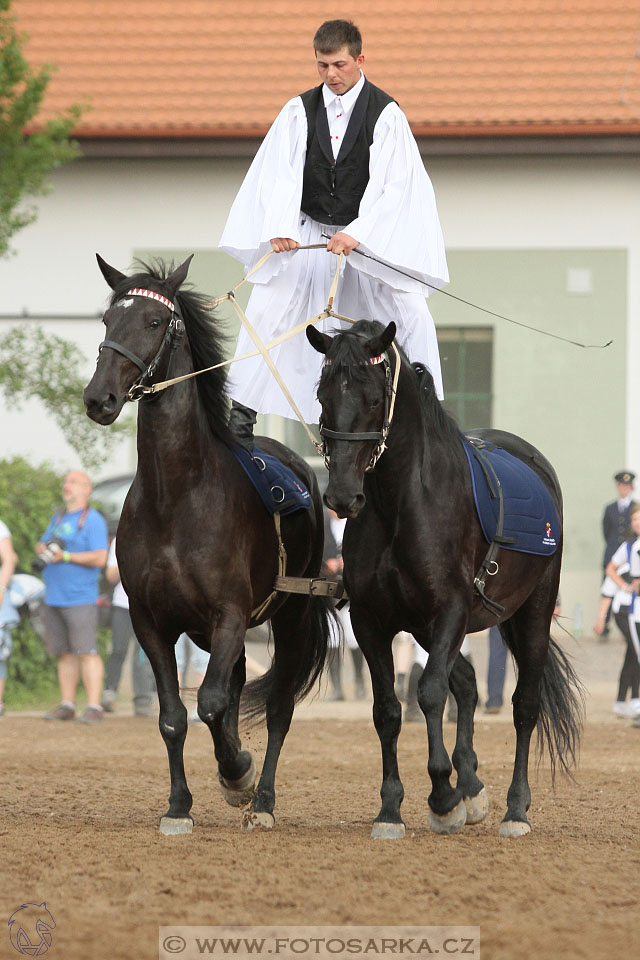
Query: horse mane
[443,422]
[205,339]
[348,356]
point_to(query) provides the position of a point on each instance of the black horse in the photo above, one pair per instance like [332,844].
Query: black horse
[412,548]
[197,550]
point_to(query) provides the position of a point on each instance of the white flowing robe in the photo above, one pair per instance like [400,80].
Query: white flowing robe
[397,223]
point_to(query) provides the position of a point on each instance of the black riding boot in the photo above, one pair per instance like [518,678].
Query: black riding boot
[412,711]
[241,422]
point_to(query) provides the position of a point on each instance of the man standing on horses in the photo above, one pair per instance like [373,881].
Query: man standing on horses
[339,162]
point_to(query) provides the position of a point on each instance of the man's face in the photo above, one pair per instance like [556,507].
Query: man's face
[624,489]
[76,488]
[339,70]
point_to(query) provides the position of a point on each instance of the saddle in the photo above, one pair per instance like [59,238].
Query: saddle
[280,490]
[515,509]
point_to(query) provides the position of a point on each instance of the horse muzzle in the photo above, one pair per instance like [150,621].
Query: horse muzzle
[102,408]
[345,505]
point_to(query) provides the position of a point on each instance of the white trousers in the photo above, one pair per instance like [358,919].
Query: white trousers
[298,292]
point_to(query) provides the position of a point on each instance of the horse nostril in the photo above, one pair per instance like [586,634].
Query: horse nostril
[328,503]
[356,505]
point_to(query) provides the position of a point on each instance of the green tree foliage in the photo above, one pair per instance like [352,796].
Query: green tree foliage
[25,159]
[28,498]
[34,364]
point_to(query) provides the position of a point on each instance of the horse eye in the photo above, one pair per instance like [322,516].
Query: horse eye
[154,323]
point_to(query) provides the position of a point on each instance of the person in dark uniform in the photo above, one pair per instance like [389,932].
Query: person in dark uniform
[615,523]
[332,567]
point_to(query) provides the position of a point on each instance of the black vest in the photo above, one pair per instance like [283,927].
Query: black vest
[332,189]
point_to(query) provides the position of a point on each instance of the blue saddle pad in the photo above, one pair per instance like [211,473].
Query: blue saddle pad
[279,488]
[530,517]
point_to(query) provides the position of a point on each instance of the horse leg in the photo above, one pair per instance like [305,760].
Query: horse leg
[387,717]
[218,702]
[290,640]
[172,722]
[447,808]
[527,636]
[462,682]
[238,790]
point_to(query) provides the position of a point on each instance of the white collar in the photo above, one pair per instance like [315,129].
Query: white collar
[347,99]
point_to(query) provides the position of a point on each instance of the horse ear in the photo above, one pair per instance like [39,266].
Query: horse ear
[377,345]
[175,280]
[319,341]
[111,275]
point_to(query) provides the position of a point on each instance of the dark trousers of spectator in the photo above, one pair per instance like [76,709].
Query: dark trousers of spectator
[497,668]
[630,673]
[144,683]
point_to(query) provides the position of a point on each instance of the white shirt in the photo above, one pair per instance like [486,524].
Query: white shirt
[397,222]
[119,598]
[339,109]
[337,529]
[622,598]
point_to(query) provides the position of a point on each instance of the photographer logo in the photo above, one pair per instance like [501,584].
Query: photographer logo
[30,929]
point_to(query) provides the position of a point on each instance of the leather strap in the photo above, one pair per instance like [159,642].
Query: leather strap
[314,587]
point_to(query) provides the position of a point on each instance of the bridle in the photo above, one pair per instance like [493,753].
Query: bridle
[390,388]
[172,337]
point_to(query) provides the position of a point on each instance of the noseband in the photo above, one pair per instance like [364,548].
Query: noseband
[172,337]
[390,387]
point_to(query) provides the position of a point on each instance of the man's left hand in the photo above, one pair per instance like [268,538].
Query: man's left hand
[342,243]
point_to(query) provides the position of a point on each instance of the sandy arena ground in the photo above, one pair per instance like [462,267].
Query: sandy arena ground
[80,810]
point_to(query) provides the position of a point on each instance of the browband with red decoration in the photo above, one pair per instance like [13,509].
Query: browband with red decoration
[139,292]
[371,360]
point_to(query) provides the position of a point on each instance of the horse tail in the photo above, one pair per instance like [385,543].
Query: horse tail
[561,710]
[311,636]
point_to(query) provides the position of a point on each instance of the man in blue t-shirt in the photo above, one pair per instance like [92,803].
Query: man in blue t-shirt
[75,546]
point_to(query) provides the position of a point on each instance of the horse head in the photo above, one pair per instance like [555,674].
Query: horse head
[141,320]
[355,393]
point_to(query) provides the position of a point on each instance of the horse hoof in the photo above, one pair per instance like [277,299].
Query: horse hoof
[173,826]
[477,807]
[514,828]
[238,793]
[254,820]
[451,822]
[387,831]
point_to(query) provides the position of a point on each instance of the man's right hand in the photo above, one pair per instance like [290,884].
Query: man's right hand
[282,244]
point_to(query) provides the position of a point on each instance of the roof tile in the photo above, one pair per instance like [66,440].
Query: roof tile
[456,67]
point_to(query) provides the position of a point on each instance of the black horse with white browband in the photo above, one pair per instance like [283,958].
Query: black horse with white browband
[416,559]
[197,550]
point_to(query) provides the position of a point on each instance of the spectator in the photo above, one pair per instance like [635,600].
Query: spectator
[8,613]
[143,680]
[332,567]
[621,583]
[496,671]
[72,551]
[615,524]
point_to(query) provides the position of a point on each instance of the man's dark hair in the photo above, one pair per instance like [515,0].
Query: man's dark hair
[334,34]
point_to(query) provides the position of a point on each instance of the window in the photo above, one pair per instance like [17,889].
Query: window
[466,354]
